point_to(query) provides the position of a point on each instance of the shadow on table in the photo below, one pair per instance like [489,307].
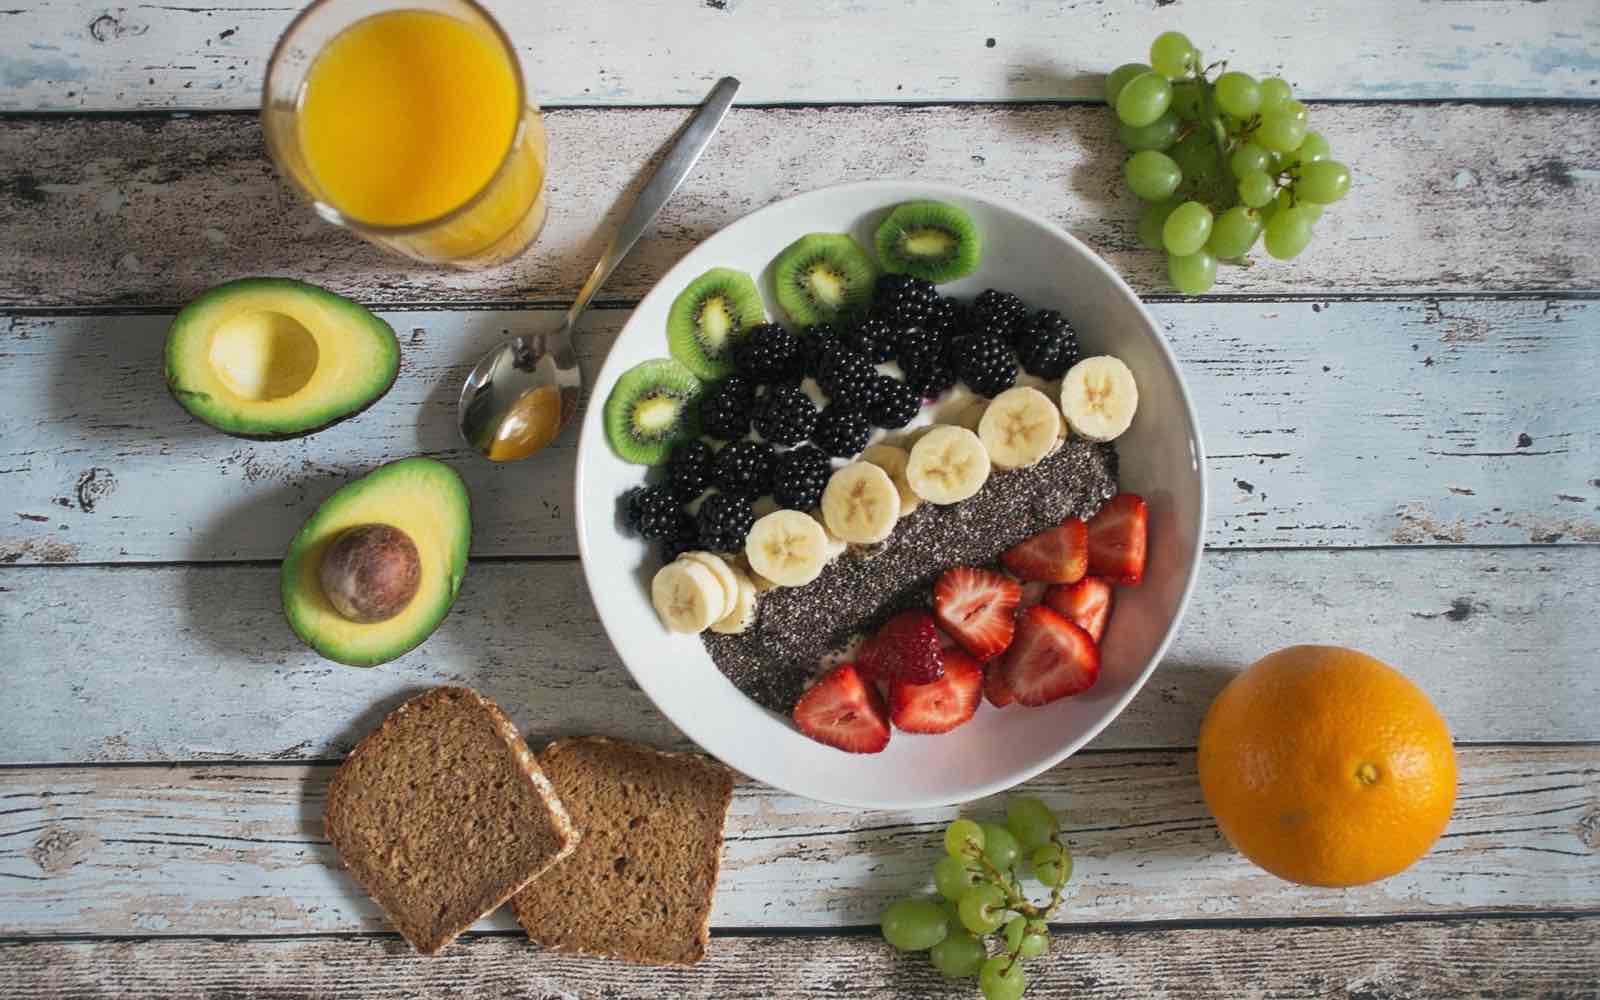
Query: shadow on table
[107,383]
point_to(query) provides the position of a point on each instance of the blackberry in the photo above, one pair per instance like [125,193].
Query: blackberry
[998,312]
[650,511]
[985,363]
[1046,345]
[769,355]
[948,318]
[873,338]
[785,415]
[684,537]
[689,469]
[901,298]
[743,468]
[816,344]
[800,477]
[918,349]
[931,382]
[848,378]
[842,431]
[725,411]
[894,405]
[723,522]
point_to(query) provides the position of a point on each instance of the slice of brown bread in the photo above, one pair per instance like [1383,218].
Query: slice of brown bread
[442,813]
[640,883]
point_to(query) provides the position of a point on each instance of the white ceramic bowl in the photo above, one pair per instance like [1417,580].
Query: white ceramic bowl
[1160,458]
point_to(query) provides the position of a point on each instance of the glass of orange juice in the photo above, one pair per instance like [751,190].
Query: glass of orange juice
[409,124]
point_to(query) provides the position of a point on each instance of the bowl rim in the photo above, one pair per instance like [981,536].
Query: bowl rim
[896,190]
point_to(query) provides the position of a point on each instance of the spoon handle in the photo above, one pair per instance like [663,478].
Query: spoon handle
[680,159]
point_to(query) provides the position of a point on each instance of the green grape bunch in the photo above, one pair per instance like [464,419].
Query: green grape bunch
[982,924]
[1221,160]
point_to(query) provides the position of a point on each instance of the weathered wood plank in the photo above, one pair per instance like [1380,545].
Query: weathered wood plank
[240,849]
[151,210]
[185,663]
[1547,957]
[205,56]
[1477,417]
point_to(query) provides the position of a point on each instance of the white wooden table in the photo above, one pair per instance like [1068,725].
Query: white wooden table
[1402,429]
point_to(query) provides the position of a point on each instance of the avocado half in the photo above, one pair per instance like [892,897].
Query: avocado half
[277,358]
[423,498]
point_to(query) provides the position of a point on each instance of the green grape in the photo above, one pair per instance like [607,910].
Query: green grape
[1248,158]
[1151,220]
[1188,100]
[1119,76]
[914,924]
[1312,148]
[983,908]
[1000,846]
[1288,232]
[1294,109]
[1238,94]
[1144,99]
[1234,233]
[1030,821]
[1051,864]
[958,956]
[1152,176]
[1159,134]
[1286,199]
[963,838]
[1013,931]
[952,914]
[954,876]
[1321,181]
[1275,93]
[1257,188]
[1173,55]
[1191,275]
[1036,940]
[1001,979]
[1186,231]
[1280,133]
[1196,157]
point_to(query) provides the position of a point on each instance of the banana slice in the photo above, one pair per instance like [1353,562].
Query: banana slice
[893,461]
[972,415]
[686,596]
[725,577]
[743,614]
[1099,398]
[861,504]
[948,464]
[742,564]
[787,547]
[1019,428]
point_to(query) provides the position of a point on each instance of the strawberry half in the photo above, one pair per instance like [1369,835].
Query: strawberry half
[943,705]
[1059,555]
[1050,658]
[978,608]
[906,649]
[1117,539]
[1086,604]
[995,687]
[844,711]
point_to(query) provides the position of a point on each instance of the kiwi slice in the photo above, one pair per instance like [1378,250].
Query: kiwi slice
[932,240]
[709,316]
[822,277]
[654,406]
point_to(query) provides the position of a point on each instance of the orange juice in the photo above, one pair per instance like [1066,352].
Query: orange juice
[409,116]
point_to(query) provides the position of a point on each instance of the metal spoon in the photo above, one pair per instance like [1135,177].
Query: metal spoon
[521,393]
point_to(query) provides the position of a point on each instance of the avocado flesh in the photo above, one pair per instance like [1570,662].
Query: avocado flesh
[276,358]
[423,498]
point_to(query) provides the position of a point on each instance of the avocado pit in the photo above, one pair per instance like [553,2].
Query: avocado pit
[370,572]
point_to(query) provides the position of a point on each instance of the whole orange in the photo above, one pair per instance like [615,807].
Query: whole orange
[1325,766]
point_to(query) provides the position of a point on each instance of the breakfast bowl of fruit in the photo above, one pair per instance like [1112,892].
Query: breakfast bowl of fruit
[891,495]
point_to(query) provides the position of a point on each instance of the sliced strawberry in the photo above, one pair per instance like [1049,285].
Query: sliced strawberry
[995,686]
[906,649]
[1059,555]
[943,705]
[1117,539]
[978,607]
[1086,604]
[844,711]
[1050,658]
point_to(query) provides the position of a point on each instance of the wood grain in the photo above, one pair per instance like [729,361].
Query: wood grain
[195,662]
[240,849]
[1546,957]
[149,211]
[207,56]
[1477,417]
